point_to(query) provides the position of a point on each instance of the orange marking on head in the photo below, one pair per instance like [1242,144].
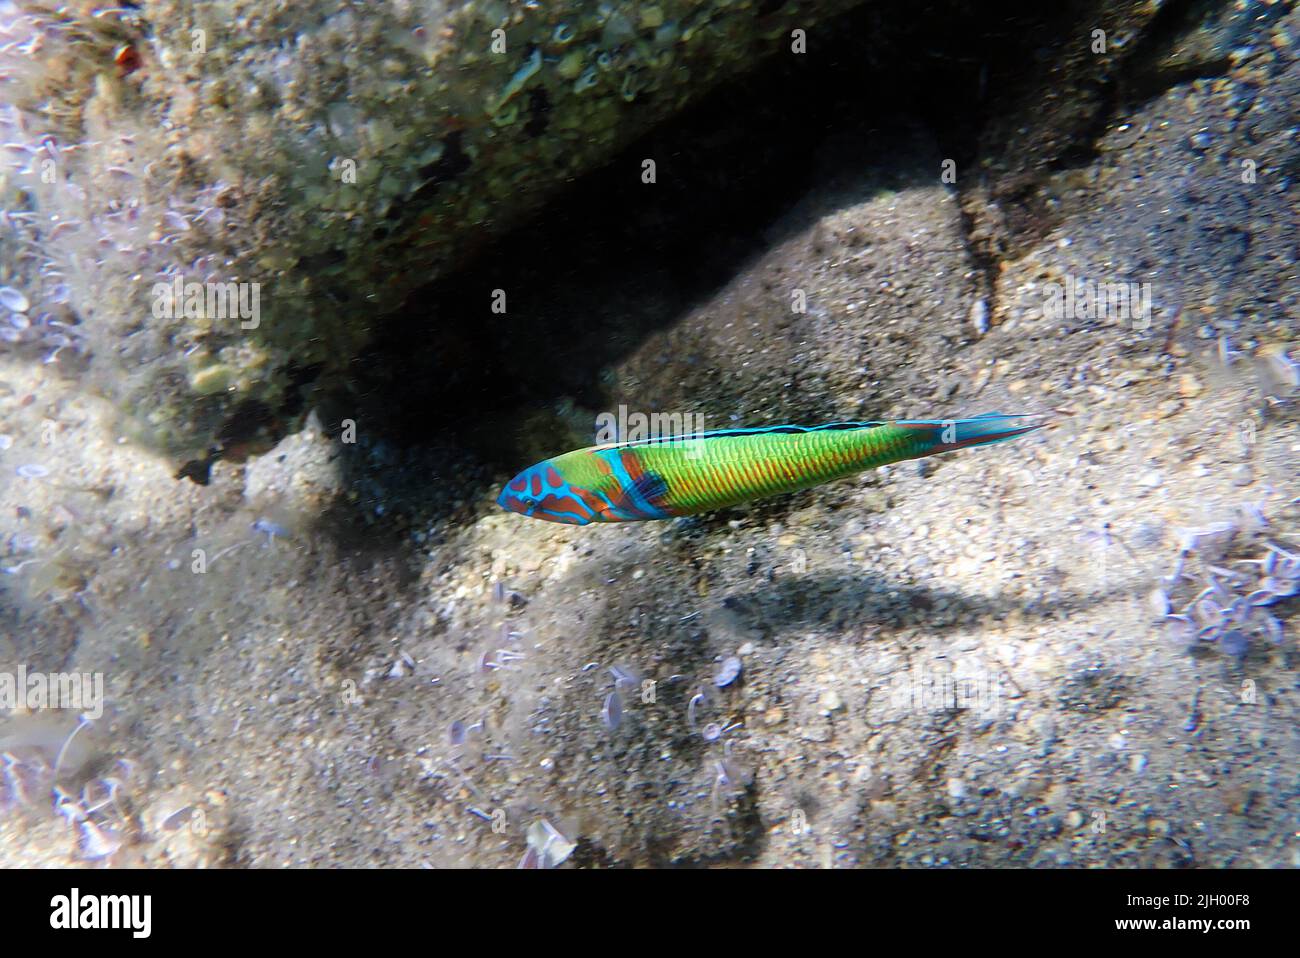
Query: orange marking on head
[563,505]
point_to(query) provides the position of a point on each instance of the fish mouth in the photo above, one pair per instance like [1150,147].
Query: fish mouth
[534,509]
[513,503]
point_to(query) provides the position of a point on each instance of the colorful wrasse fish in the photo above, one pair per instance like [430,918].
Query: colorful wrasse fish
[684,475]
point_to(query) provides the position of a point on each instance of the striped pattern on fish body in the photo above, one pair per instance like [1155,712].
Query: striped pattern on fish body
[681,476]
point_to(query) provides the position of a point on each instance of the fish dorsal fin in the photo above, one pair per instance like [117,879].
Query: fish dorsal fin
[726,433]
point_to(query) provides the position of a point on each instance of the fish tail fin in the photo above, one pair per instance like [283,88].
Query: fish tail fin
[945,435]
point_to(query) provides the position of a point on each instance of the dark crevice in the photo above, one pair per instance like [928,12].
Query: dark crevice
[985,258]
[449,389]
[450,164]
[728,171]
[252,427]
[199,471]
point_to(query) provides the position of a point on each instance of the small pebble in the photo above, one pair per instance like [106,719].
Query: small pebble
[728,671]
[1235,643]
[1189,387]
[652,17]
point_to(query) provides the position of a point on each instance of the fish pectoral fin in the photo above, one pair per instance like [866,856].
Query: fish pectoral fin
[651,486]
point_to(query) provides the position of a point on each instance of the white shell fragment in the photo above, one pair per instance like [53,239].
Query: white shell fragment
[13,299]
[549,846]
[728,671]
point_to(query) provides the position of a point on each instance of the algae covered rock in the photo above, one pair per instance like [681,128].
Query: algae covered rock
[219,200]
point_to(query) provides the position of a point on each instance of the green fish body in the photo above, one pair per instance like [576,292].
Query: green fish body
[685,475]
